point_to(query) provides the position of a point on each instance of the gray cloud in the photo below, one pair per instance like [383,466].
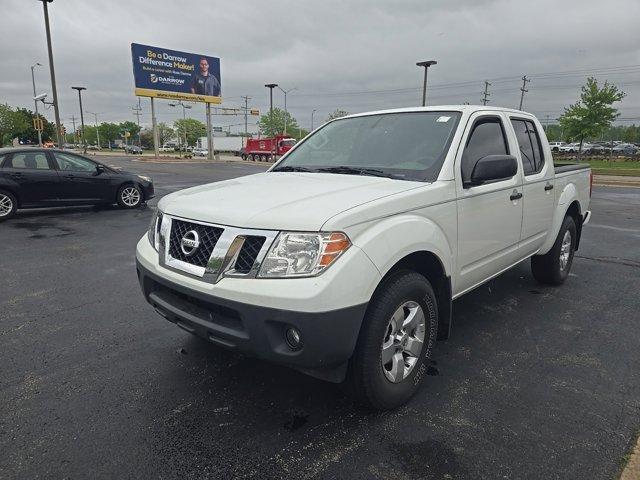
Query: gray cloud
[327,49]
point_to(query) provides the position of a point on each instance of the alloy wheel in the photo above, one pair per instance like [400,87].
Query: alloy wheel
[403,341]
[130,196]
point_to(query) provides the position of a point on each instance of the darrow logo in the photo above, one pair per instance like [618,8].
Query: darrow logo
[166,80]
[154,79]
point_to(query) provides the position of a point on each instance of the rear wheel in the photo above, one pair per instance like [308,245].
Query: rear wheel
[130,196]
[553,268]
[243,156]
[395,343]
[8,205]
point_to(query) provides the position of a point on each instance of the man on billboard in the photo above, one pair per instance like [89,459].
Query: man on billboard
[203,82]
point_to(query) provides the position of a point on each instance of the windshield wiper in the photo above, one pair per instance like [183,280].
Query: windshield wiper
[288,168]
[374,172]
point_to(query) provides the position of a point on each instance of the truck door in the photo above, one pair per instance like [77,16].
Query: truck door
[539,199]
[489,215]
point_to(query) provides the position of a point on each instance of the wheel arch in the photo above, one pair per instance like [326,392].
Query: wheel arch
[432,268]
[126,183]
[13,192]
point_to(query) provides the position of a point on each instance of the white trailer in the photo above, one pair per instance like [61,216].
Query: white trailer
[224,144]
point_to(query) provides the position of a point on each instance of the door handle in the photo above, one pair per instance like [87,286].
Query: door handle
[515,196]
[17,175]
[548,187]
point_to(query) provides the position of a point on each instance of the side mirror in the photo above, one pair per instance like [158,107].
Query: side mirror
[99,169]
[492,168]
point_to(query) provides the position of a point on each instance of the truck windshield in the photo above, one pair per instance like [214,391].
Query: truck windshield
[407,146]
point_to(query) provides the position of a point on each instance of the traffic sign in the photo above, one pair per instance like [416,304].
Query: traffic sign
[255,111]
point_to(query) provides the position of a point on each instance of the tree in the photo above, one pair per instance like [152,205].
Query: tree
[109,133]
[12,124]
[274,125]
[146,138]
[130,127]
[337,113]
[165,133]
[593,113]
[28,134]
[194,129]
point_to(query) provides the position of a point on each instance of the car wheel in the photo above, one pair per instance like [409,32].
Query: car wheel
[395,342]
[553,268]
[130,196]
[8,205]
[243,156]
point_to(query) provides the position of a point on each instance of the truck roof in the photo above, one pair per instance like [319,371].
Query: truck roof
[457,108]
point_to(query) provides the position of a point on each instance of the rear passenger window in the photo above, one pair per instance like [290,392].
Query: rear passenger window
[530,146]
[28,160]
[487,138]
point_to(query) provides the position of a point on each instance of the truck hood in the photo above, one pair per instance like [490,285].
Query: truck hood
[280,200]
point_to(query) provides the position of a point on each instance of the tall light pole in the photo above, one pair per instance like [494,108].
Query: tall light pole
[271,86]
[312,113]
[84,140]
[426,64]
[95,116]
[285,104]
[56,110]
[35,102]
[184,120]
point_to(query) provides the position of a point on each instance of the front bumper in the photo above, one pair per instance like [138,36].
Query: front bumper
[328,338]
[148,191]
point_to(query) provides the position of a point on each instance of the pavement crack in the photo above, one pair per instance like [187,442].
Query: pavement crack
[615,260]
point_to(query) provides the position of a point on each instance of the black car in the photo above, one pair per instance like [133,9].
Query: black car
[38,177]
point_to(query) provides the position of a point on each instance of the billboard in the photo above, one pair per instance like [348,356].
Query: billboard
[174,75]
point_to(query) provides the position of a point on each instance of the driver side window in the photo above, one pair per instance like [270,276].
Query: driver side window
[487,138]
[73,163]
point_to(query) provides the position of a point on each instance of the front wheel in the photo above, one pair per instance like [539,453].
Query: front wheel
[395,342]
[8,205]
[553,267]
[130,196]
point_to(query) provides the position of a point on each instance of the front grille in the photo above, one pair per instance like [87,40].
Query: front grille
[248,254]
[207,235]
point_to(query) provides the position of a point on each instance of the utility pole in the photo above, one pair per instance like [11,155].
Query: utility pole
[525,80]
[486,95]
[56,110]
[312,113]
[137,109]
[35,102]
[426,64]
[246,109]
[184,121]
[95,116]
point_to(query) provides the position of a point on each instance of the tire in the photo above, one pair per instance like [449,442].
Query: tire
[8,205]
[243,156]
[130,196]
[263,158]
[553,267]
[379,386]
[252,157]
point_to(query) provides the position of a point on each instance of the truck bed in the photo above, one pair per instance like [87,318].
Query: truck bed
[569,167]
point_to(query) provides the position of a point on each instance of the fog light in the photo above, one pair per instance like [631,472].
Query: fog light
[293,338]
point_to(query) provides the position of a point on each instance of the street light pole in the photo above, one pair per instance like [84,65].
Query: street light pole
[56,110]
[312,112]
[84,139]
[35,102]
[184,120]
[271,86]
[426,64]
[285,104]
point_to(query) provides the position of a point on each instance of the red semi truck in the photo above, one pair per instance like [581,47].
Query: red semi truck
[262,149]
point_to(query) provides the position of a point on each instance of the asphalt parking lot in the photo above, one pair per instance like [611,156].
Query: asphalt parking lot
[537,382]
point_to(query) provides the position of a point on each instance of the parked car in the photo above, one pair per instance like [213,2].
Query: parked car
[38,177]
[167,148]
[555,146]
[133,149]
[200,152]
[343,259]
[625,149]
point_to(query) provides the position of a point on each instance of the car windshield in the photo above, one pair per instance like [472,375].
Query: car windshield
[407,146]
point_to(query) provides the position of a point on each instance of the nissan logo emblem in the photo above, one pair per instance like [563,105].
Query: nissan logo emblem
[190,243]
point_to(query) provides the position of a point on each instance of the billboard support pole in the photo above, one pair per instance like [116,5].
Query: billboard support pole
[210,152]
[154,127]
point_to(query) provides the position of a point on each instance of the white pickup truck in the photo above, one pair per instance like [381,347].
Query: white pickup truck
[343,259]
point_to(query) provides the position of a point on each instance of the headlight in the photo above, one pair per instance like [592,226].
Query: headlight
[295,254]
[145,178]
[154,229]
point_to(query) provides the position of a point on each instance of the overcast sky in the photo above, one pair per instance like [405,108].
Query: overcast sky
[356,55]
